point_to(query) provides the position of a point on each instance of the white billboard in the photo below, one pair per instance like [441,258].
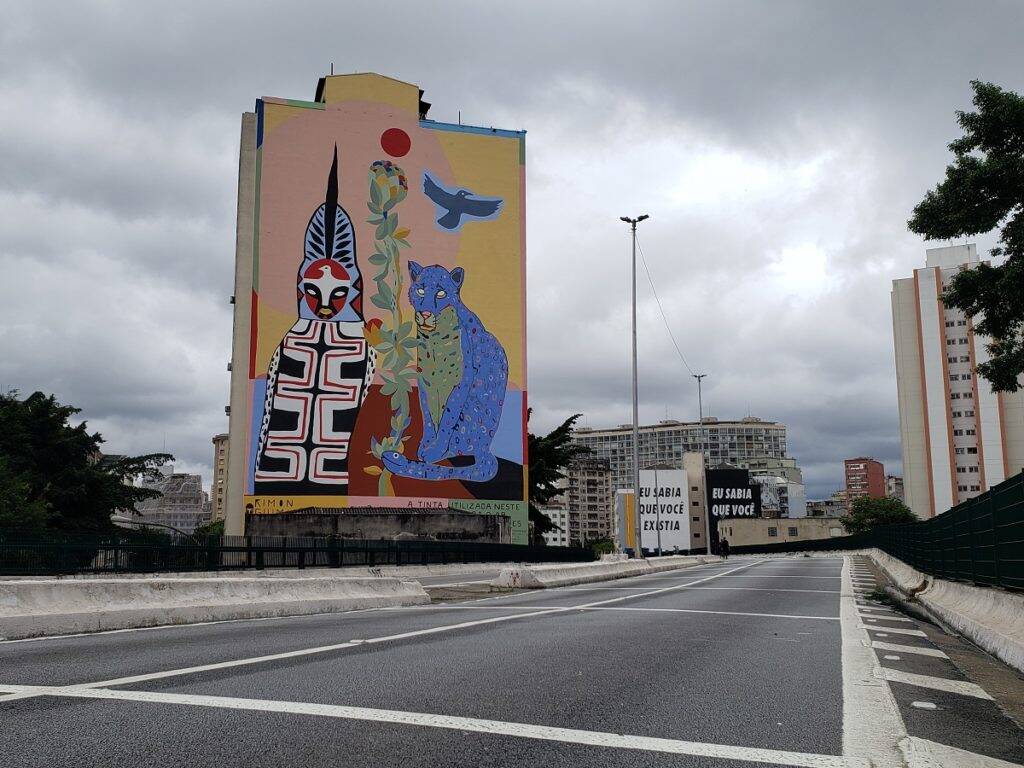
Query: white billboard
[664,507]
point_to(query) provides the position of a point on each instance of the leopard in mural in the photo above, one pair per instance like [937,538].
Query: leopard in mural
[461,385]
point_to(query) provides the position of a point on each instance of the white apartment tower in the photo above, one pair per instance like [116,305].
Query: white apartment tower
[959,437]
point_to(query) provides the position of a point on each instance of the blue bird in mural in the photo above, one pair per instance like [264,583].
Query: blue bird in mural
[455,204]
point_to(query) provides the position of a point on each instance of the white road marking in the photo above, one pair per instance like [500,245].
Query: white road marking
[624,608]
[760,575]
[540,611]
[962,687]
[870,617]
[896,631]
[872,726]
[923,704]
[919,650]
[762,589]
[471,724]
[891,657]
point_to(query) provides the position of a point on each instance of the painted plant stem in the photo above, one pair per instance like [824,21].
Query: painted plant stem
[394,340]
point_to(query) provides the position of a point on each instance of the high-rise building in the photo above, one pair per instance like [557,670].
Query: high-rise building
[663,444]
[864,477]
[584,509]
[219,485]
[959,437]
[182,504]
[772,465]
[369,239]
[559,516]
[894,487]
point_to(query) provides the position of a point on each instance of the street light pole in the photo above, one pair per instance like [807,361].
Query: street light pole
[703,461]
[636,407]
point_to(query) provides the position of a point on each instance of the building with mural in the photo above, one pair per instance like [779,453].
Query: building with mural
[379,348]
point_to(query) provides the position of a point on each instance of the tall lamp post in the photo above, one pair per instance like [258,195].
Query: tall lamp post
[703,460]
[636,408]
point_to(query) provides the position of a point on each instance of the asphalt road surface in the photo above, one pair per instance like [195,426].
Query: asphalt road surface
[749,662]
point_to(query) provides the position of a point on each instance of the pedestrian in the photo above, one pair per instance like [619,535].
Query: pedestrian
[724,549]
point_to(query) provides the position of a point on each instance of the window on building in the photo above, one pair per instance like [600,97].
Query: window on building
[969,414]
[975,487]
[696,519]
[957,432]
[949,323]
[772,532]
[965,377]
[972,469]
[696,534]
[950,342]
[951,359]
[960,451]
[961,323]
[961,341]
[972,450]
[694,503]
[954,395]
[954,377]
[961,487]
[965,359]
[793,531]
[968,431]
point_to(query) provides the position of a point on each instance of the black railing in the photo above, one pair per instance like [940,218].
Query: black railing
[980,541]
[23,555]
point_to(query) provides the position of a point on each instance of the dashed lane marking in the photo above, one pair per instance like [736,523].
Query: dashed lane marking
[870,617]
[471,724]
[962,687]
[918,650]
[896,630]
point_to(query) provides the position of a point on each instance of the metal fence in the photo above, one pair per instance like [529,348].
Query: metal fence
[22,555]
[980,541]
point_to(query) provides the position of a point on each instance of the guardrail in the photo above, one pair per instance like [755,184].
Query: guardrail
[27,555]
[980,541]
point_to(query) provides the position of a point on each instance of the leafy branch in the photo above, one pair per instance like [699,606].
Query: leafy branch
[394,339]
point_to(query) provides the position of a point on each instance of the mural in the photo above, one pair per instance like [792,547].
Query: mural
[410,390]
[322,369]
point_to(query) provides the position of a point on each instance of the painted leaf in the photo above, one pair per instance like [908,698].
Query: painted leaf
[375,471]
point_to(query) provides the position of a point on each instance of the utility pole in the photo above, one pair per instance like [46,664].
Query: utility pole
[636,407]
[657,506]
[703,460]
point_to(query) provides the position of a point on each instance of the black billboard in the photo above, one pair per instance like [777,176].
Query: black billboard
[730,494]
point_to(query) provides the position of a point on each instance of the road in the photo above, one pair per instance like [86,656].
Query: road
[749,662]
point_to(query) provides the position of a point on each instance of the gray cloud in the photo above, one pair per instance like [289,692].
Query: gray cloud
[779,148]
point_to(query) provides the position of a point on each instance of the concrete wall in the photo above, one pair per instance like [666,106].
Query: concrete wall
[746,531]
[385,524]
[234,516]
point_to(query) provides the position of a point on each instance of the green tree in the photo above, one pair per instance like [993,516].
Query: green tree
[867,513]
[54,476]
[212,528]
[549,456]
[983,190]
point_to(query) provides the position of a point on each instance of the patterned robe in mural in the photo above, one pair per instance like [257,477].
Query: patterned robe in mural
[321,372]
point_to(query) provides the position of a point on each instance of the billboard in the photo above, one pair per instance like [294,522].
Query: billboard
[664,510]
[730,494]
[385,343]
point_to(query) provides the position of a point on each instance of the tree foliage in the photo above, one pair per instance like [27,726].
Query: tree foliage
[549,456]
[983,190]
[867,513]
[212,528]
[54,476]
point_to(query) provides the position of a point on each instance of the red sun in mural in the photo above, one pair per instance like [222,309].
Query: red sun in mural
[395,142]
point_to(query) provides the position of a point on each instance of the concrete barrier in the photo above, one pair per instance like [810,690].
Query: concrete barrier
[30,608]
[564,575]
[990,618]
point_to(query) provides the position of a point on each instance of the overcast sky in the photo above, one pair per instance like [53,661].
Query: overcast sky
[778,147]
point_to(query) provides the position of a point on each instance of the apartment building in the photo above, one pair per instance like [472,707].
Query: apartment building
[959,437]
